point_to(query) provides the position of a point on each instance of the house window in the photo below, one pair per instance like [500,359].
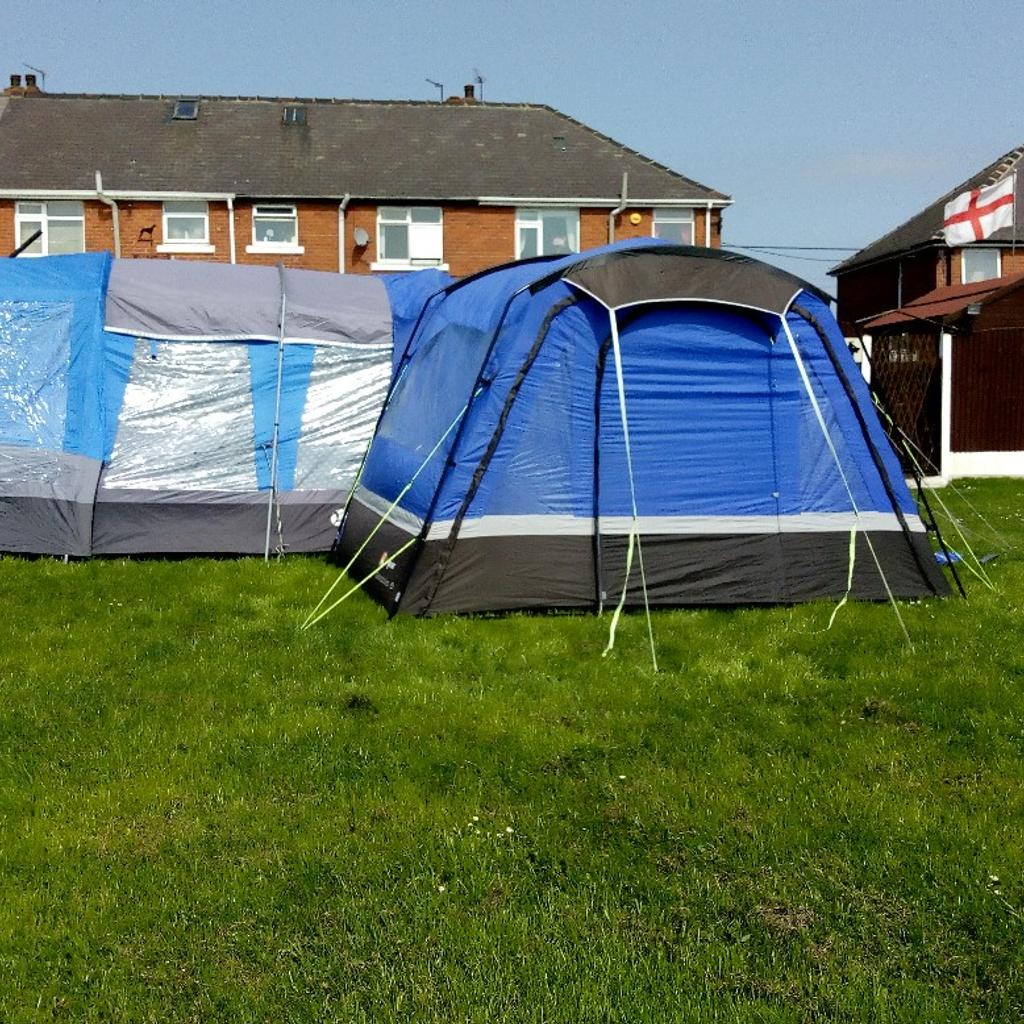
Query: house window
[410,235]
[187,223]
[62,224]
[186,110]
[979,265]
[274,229]
[293,115]
[546,232]
[674,225]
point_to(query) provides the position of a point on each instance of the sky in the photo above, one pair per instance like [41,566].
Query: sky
[828,122]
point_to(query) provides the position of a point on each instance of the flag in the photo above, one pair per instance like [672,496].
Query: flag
[978,214]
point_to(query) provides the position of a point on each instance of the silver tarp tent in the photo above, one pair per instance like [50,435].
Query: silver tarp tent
[219,408]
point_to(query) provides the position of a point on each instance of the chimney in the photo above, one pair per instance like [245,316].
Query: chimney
[17,89]
[469,96]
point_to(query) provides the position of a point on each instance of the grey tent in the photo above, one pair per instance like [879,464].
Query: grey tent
[180,407]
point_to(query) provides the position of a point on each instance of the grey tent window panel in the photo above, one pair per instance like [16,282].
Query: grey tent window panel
[187,419]
[346,388]
[35,351]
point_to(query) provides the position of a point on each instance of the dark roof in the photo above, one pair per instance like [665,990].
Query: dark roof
[369,149]
[925,228]
[947,301]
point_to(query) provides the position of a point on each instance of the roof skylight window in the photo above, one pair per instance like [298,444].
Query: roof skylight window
[294,115]
[186,109]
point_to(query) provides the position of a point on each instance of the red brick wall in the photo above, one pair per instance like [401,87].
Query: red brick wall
[475,237]
[868,291]
[7,243]
[1011,262]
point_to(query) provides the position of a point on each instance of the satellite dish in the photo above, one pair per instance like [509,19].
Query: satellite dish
[361,236]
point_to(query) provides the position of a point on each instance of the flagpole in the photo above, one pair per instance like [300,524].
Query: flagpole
[1013,233]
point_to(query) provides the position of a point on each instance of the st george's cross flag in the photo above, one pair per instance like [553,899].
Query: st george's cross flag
[978,214]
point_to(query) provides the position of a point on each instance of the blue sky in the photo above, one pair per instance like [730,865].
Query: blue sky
[828,122]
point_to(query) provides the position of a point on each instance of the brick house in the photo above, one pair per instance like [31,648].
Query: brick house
[913,260]
[940,330]
[338,185]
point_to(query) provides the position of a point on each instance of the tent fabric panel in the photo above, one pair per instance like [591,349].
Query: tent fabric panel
[502,574]
[346,387]
[557,572]
[430,396]
[822,484]
[183,299]
[554,380]
[187,298]
[187,419]
[862,394]
[35,356]
[76,280]
[46,501]
[343,308]
[697,382]
[664,273]
[297,364]
[408,294]
[527,324]
[386,575]
[140,522]
[766,569]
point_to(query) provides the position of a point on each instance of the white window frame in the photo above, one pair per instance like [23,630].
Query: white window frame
[43,219]
[675,215]
[185,245]
[390,215]
[986,248]
[529,218]
[293,248]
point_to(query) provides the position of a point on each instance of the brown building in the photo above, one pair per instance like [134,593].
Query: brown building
[913,259]
[941,334]
[338,185]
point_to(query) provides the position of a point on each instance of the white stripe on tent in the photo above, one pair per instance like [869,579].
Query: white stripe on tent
[273,339]
[682,526]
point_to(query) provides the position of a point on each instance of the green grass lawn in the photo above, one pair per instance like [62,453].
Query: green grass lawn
[209,815]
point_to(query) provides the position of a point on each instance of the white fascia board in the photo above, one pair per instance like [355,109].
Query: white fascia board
[119,194]
[127,195]
[47,193]
[596,201]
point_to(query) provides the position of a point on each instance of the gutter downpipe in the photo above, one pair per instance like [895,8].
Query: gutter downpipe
[623,202]
[104,198]
[231,227]
[342,207]
[707,226]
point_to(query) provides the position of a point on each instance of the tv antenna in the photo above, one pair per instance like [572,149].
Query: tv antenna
[479,79]
[438,86]
[40,72]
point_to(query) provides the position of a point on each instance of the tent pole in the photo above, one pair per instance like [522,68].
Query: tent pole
[277,417]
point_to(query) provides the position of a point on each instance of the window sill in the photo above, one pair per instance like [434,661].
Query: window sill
[186,247]
[280,250]
[399,267]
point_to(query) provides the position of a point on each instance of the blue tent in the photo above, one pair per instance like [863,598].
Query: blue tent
[154,406]
[642,422]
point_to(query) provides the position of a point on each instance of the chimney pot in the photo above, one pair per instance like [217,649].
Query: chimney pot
[15,81]
[30,81]
[469,93]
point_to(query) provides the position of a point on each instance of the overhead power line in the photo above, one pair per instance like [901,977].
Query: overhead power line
[806,248]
